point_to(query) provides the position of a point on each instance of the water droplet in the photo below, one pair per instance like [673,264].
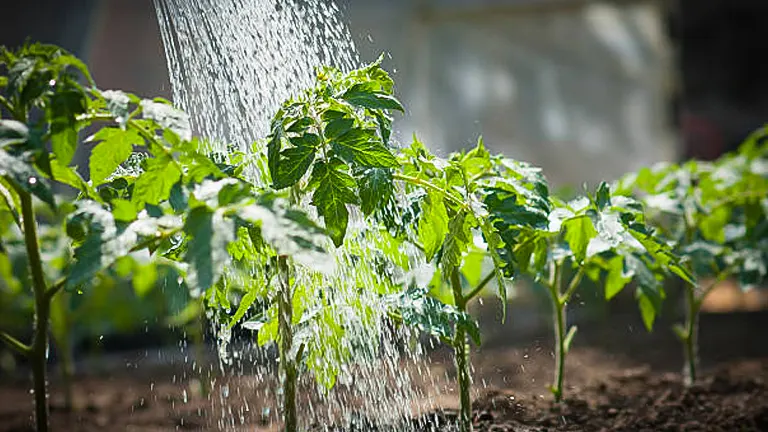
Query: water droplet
[52,82]
[32,180]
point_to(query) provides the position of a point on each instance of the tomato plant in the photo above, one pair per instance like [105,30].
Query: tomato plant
[714,215]
[154,199]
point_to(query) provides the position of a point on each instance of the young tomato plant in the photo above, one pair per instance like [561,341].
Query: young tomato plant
[557,243]
[714,213]
[447,215]
[328,146]
[170,207]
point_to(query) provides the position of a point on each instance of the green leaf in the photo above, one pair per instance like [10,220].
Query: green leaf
[433,224]
[360,146]
[456,242]
[603,196]
[494,241]
[168,117]
[418,310]
[69,176]
[245,303]
[376,189]
[293,164]
[123,210]
[579,231]
[154,184]
[334,190]
[338,127]
[117,104]
[144,278]
[617,278]
[364,96]
[712,225]
[647,311]
[207,249]
[115,148]
[13,132]
[64,107]
[25,177]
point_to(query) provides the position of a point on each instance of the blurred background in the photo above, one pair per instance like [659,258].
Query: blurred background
[588,90]
[613,84]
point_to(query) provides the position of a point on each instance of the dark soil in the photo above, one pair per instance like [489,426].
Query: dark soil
[618,381]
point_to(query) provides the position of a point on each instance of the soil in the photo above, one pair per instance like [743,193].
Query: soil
[617,380]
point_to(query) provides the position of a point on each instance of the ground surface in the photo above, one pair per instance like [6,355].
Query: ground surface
[618,379]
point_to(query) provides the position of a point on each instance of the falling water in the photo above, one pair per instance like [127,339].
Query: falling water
[232,63]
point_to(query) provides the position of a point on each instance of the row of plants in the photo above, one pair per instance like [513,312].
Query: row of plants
[330,187]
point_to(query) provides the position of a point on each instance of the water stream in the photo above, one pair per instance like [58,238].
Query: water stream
[231,64]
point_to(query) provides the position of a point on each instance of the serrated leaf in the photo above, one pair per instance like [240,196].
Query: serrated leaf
[155,183]
[433,224]
[334,189]
[376,189]
[494,242]
[115,148]
[338,127]
[456,242]
[360,146]
[364,96]
[293,164]
[579,231]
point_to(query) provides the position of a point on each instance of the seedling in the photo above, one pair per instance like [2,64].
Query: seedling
[715,216]
[550,240]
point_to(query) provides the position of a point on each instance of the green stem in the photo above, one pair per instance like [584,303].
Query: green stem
[470,295]
[38,354]
[461,352]
[690,341]
[15,344]
[565,298]
[427,185]
[287,364]
[690,336]
[558,310]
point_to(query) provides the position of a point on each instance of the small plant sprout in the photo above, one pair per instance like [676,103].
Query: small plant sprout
[714,213]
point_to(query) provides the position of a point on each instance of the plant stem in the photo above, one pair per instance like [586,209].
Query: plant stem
[285,329]
[427,185]
[461,353]
[38,354]
[470,295]
[15,344]
[558,311]
[691,339]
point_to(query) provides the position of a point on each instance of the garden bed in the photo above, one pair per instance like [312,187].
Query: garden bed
[609,388]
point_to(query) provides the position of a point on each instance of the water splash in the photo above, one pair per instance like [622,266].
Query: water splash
[232,63]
